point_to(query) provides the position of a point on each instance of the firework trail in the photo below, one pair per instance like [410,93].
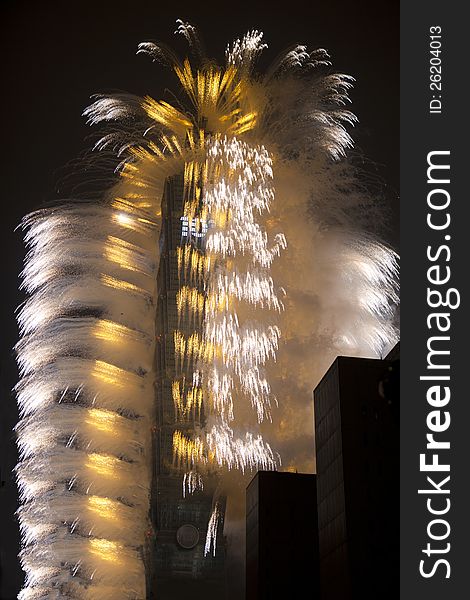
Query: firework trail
[86,400]
[275,275]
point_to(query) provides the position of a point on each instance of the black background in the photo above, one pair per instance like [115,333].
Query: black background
[420,134]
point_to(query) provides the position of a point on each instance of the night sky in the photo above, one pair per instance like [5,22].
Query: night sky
[55,55]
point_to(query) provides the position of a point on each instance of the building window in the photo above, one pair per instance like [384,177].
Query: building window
[198,228]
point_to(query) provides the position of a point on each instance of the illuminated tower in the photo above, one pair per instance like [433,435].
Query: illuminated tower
[181,519]
[181,253]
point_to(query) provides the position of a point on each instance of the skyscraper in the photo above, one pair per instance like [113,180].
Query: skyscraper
[357,449]
[281,537]
[86,395]
[180,519]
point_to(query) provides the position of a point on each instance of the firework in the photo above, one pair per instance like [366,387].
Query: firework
[271,216]
[86,401]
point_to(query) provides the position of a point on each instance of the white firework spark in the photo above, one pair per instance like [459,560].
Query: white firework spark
[274,258]
[211,536]
[86,403]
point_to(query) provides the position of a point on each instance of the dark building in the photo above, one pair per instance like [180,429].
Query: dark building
[281,537]
[357,452]
[177,562]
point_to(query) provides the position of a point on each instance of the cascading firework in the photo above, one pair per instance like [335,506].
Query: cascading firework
[272,214]
[86,400]
[232,350]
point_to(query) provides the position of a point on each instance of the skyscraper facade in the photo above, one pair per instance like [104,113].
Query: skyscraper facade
[180,518]
[281,537]
[357,454]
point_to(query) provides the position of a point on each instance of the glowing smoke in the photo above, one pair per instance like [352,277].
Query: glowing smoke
[284,271]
